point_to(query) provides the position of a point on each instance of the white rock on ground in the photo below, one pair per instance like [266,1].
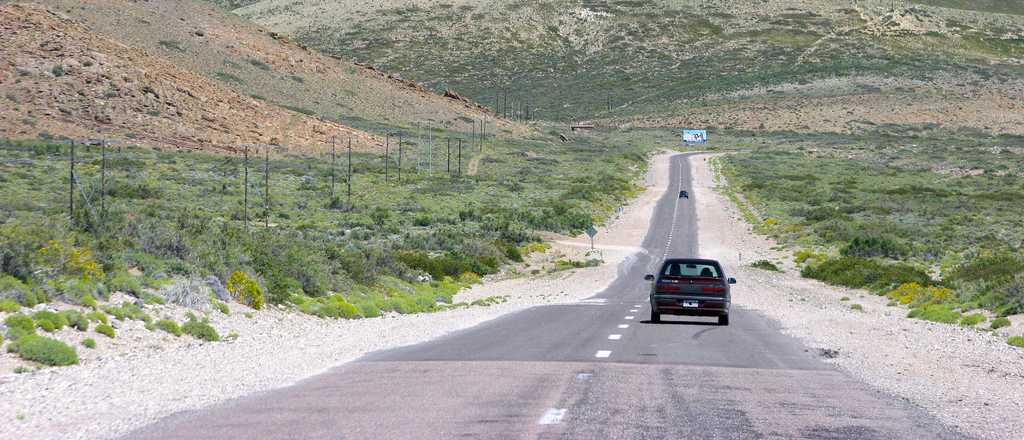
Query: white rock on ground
[141,375]
[967,378]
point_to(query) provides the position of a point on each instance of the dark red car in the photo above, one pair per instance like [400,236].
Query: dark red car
[690,286]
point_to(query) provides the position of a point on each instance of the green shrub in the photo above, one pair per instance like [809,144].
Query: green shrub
[105,330]
[246,290]
[200,329]
[128,310]
[97,316]
[765,265]
[89,343]
[46,351]
[1016,341]
[125,282]
[914,294]
[999,323]
[845,298]
[972,319]
[76,320]
[89,301]
[858,272]
[936,312]
[154,299]
[9,306]
[222,307]
[857,307]
[874,246]
[50,321]
[169,326]
[19,325]
[331,306]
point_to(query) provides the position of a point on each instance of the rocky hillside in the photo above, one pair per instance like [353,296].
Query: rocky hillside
[266,66]
[60,79]
[780,64]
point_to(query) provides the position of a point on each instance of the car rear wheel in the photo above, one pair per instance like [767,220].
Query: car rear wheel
[723,320]
[655,317]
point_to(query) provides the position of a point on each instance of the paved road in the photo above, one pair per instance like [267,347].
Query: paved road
[590,370]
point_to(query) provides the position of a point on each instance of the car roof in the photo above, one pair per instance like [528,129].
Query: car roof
[691,261]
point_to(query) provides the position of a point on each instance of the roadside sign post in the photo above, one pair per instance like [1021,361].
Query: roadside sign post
[591,232]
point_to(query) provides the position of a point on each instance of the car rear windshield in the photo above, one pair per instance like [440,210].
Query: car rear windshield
[690,269]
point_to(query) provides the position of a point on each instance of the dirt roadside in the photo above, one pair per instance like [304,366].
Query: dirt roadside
[968,379]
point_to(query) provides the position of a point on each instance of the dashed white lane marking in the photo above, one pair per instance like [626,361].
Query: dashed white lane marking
[675,212]
[633,310]
[615,337]
[629,317]
[583,377]
[623,325]
[553,416]
[638,306]
[603,353]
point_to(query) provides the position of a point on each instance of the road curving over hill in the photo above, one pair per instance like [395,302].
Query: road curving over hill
[590,369]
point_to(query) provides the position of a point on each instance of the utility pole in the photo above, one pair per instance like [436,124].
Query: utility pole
[266,184]
[103,184]
[387,152]
[399,159]
[71,195]
[349,202]
[448,158]
[333,160]
[430,151]
[245,186]
[460,158]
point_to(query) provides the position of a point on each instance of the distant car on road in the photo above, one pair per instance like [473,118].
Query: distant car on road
[684,195]
[690,286]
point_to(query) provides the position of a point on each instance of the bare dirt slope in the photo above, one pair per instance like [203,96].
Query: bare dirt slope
[59,79]
[267,66]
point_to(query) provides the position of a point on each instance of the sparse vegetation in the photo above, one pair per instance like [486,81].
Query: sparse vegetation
[222,307]
[999,323]
[765,265]
[246,290]
[1016,341]
[200,329]
[943,313]
[106,330]
[169,326]
[862,208]
[972,319]
[89,343]
[857,307]
[46,351]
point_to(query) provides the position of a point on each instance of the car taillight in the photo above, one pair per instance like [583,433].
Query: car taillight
[713,290]
[668,288]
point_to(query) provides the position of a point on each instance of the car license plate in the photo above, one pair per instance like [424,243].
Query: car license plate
[690,303]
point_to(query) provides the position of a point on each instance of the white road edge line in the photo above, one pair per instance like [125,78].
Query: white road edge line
[633,310]
[615,337]
[629,317]
[553,416]
[623,325]
[603,353]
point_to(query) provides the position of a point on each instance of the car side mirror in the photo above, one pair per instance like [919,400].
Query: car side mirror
[649,277]
[732,280]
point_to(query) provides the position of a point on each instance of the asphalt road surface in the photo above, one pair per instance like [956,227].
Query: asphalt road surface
[590,370]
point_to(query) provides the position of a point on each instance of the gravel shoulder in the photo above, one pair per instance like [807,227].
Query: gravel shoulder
[143,375]
[969,379]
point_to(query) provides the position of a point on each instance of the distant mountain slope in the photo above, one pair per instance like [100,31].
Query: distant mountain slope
[206,39]
[59,79]
[656,60]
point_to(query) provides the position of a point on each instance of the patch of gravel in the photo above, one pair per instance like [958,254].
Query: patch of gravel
[969,379]
[143,375]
